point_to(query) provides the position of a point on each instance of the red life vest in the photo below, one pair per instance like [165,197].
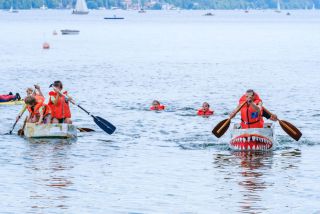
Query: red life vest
[250,118]
[35,110]
[61,109]
[201,112]
[161,107]
[39,98]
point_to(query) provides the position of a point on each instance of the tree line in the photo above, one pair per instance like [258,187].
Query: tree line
[157,4]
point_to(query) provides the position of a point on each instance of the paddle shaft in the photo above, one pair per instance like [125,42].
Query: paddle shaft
[232,116]
[280,121]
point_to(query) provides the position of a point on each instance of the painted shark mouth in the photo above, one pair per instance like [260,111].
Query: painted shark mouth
[253,142]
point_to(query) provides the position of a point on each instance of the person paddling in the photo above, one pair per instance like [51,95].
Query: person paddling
[36,93]
[156,106]
[59,104]
[205,110]
[38,111]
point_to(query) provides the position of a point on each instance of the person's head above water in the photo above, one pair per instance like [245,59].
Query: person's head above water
[205,106]
[155,103]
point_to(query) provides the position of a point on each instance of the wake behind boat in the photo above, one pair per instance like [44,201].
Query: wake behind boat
[61,130]
[253,139]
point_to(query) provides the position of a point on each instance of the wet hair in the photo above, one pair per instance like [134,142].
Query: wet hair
[29,89]
[206,103]
[57,83]
[250,91]
[155,101]
[30,100]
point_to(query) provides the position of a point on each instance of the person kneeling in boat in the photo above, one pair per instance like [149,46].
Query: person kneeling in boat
[156,106]
[205,110]
[37,94]
[39,112]
[59,104]
[252,111]
[9,97]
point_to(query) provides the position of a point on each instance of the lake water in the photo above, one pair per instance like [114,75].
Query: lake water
[166,162]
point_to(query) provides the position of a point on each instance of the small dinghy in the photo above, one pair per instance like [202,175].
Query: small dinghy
[61,130]
[69,32]
[255,139]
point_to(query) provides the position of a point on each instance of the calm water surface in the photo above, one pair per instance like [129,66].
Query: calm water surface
[166,162]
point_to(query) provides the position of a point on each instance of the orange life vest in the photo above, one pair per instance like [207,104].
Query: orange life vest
[206,113]
[161,107]
[250,118]
[39,98]
[61,109]
[35,110]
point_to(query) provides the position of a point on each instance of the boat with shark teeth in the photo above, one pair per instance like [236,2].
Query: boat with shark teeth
[254,139]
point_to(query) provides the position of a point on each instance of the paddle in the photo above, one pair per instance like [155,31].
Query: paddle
[102,123]
[21,131]
[223,126]
[10,132]
[290,129]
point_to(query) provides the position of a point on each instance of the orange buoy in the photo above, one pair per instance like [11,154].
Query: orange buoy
[45,45]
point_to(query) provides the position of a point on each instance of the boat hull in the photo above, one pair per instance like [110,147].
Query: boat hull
[80,12]
[16,102]
[32,130]
[255,139]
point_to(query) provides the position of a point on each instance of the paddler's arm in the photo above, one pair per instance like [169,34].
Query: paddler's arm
[39,90]
[41,110]
[256,107]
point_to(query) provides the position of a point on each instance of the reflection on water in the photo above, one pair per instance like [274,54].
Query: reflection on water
[49,164]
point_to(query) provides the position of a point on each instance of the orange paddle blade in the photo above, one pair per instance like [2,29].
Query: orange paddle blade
[290,129]
[221,128]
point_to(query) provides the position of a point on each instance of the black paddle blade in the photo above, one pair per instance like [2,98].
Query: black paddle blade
[104,125]
[85,130]
[290,129]
[221,128]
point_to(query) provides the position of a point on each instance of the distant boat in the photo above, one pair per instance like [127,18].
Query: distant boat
[69,32]
[141,11]
[43,7]
[13,10]
[209,14]
[81,8]
[114,17]
[278,7]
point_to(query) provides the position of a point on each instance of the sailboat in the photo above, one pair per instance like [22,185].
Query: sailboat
[43,7]
[13,10]
[81,8]
[278,7]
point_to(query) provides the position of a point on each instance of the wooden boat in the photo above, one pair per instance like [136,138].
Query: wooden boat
[69,32]
[13,102]
[255,139]
[63,130]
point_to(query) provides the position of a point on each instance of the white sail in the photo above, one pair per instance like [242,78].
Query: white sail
[81,7]
[278,6]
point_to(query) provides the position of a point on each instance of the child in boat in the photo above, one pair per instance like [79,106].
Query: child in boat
[59,104]
[205,110]
[156,106]
[9,97]
[39,112]
[32,92]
